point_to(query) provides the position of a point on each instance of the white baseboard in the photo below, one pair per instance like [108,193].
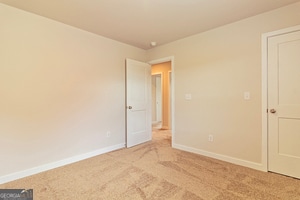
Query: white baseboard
[165,128]
[245,163]
[155,122]
[42,168]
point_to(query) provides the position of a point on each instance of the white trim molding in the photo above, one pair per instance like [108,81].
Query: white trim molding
[49,166]
[245,163]
[161,91]
[264,86]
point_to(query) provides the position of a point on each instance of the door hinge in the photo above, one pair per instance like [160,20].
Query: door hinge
[267,110]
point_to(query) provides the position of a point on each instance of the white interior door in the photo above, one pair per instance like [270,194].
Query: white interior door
[138,102]
[284,104]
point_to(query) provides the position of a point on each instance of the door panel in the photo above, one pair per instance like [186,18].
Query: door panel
[289,71]
[138,102]
[289,137]
[284,99]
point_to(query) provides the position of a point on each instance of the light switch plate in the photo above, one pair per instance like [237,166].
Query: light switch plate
[188,96]
[246,95]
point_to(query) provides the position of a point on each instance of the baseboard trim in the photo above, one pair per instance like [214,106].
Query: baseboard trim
[245,163]
[46,167]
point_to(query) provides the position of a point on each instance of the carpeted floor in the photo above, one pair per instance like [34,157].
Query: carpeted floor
[154,170]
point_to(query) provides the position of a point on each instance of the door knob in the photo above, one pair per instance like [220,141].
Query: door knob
[129,107]
[272,110]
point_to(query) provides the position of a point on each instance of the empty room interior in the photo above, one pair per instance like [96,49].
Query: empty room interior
[150,99]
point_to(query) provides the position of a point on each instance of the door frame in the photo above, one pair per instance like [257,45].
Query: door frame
[264,110]
[170,95]
[162,60]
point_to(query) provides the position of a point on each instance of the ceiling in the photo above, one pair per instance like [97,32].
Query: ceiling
[139,22]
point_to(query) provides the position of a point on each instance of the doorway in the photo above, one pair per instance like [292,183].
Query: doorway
[161,111]
[137,74]
[161,70]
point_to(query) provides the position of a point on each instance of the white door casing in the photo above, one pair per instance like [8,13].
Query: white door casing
[170,96]
[138,102]
[283,62]
[158,96]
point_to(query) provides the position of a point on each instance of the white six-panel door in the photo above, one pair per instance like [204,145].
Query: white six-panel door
[284,104]
[138,102]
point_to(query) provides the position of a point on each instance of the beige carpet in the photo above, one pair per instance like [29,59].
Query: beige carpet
[154,170]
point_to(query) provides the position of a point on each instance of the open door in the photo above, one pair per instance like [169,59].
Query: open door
[138,102]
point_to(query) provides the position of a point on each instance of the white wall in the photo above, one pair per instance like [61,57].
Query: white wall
[61,90]
[217,67]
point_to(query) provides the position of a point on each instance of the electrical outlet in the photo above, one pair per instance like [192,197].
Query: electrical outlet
[210,138]
[246,95]
[108,134]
